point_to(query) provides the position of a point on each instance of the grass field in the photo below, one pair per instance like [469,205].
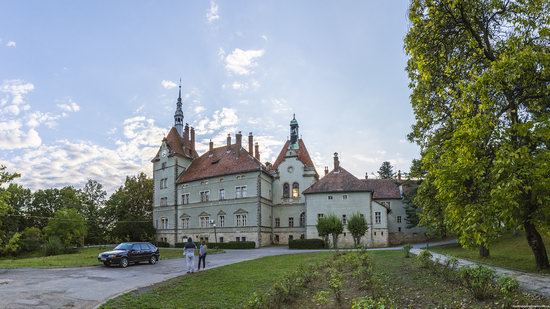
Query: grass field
[509,252]
[398,279]
[86,257]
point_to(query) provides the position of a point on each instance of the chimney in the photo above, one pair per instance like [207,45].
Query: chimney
[399,174]
[192,138]
[326,170]
[257,152]
[366,175]
[239,138]
[228,141]
[186,133]
[250,143]
[336,162]
[211,146]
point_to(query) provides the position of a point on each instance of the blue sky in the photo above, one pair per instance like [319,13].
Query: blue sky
[88,89]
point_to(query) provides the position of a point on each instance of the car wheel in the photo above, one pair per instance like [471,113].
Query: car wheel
[106,264]
[153,260]
[124,262]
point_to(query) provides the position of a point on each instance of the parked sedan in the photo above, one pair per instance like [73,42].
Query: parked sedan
[130,252]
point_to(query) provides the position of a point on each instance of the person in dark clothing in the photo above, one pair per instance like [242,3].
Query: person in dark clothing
[189,253]
[202,255]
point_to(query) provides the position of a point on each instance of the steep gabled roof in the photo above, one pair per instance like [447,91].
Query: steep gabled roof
[221,161]
[302,153]
[383,188]
[178,145]
[339,180]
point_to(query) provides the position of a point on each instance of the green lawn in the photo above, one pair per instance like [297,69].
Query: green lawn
[86,257]
[509,252]
[223,287]
[396,278]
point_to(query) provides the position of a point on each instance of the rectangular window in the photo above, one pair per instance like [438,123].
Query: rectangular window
[330,197]
[163,201]
[238,238]
[345,197]
[241,220]
[291,222]
[221,239]
[344,219]
[277,222]
[377,217]
[164,223]
[319,216]
[362,215]
[221,221]
[205,196]
[185,198]
[240,192]
[222,194]
[398,219]
[185,223]
[204,221]
[163,165]
[399,229]
[243,238]
[244,220]
[290,237]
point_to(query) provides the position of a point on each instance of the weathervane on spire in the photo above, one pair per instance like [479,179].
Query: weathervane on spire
[178,116]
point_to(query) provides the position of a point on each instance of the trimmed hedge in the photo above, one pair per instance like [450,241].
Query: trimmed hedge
[161,244]
[224,245]
[306,244]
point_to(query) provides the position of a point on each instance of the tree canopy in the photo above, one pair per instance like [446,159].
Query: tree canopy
[480,72]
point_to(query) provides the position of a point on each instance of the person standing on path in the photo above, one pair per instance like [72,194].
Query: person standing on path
[202,255]
[189,253]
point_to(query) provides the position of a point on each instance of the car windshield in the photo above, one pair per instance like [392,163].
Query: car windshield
[124,246]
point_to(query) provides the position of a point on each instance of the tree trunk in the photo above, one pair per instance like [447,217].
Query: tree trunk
[537,245]
[483,251]
[335,241]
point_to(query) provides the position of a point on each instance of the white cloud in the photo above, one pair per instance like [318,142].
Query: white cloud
[241,62]
[212,12]
[199,109]
[11,44]
[37,118]
[264,37]
[14,136]
[14,91]
[69,106]
[226,117]
[242,86]
[168,84]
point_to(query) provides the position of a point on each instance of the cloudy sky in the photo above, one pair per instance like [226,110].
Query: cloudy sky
[88,89]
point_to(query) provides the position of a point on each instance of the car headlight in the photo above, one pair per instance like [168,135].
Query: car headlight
[99,256]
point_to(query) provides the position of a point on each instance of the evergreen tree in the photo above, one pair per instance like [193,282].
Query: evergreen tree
[386,171]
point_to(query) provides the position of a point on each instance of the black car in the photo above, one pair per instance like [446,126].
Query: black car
[130,252]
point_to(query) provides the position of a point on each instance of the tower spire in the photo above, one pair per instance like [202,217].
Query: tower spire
[178,115]
[294,133]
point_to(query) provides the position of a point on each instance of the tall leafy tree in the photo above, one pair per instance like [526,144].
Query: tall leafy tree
[357,226]
[47,202]
[480,74]
[5,208]
[129,210]
[69,226]
[386,171]
[93,198]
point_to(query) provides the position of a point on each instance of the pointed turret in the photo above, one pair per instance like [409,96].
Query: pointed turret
[178,116]
[294,133]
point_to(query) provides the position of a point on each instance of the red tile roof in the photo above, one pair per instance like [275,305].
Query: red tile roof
[221,162]
[338,180]
[383,188]
[303,155]
[177,146]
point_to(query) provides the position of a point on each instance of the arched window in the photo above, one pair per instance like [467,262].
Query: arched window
[286,190]
[295,190]
[302,219]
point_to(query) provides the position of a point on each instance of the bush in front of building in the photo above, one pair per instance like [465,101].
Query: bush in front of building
[306,244]
[161,244]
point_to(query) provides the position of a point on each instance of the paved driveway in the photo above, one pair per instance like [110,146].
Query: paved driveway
[85,287]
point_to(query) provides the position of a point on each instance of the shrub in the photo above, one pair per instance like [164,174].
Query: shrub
[424,259]
[256,301]
[368,302]
[321,297]
[68,226]
[507,286]
[162,244]
[407,250]
[53,246]
[336,282]
[31,239]
[13,246]
[479,280]
[306,244]
[231,245]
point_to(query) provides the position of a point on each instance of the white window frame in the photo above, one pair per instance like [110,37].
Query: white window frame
[290,220]
[398,219]
[205,195]
[221,194]
[221,220]
[320,215]
[185,222]
[277,222]
[377,217]
[185,199]
[344,196]
[204,221]
[330,197]
[344,220]
[164,201]
[240,192]
[164,223]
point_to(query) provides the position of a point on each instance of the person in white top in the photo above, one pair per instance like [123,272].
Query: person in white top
[189,253]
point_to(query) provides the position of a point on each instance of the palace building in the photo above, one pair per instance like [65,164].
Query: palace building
[228,194]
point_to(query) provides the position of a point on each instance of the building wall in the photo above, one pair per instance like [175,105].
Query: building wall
[291,170]
[398,231]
